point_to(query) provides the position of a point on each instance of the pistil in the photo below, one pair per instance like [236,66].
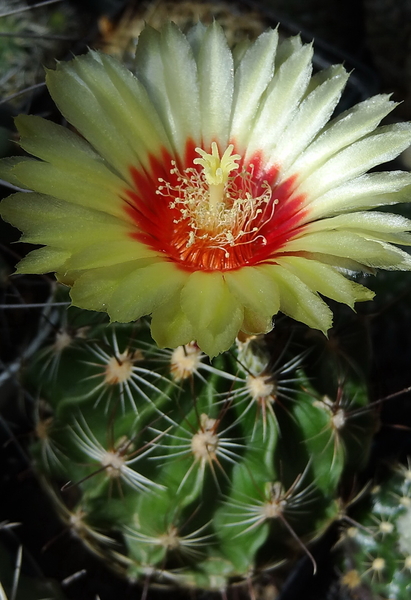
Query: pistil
[216,172]
[215,198]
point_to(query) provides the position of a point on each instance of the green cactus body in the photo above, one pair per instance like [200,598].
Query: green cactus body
[184,471]
[378,550]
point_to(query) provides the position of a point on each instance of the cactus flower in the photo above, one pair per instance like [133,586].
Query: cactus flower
[208,188]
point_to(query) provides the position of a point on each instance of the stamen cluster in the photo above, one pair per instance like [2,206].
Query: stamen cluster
[216,210]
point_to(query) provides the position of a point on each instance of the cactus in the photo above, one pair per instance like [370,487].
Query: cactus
[378,548]
[185,471]
[172,467]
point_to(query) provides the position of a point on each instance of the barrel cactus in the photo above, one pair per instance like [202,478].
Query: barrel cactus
[187,471]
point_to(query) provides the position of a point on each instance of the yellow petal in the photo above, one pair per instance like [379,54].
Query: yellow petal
[93,289]
[91,190]
[145,290]
[326,280]
[298,301]
[352,246]
[254,290]
[213,311]
[43,260]
[110,253]
[169,325]
[256,323]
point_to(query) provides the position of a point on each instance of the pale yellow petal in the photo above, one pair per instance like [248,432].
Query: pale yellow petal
[349,245]
[90,190]
[43,260]
[254,290]
[326,280]
[216,85]
[109,253]
[145,290]
[93,289]
[255,323]
[169,325]
[110,108]
[298,301]
[213,311]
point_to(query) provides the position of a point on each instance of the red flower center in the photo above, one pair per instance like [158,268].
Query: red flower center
[213,213]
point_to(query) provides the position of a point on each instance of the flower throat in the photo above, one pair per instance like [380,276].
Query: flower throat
[216,211]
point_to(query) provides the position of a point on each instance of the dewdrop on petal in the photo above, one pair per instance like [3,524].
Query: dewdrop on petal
[207,194]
